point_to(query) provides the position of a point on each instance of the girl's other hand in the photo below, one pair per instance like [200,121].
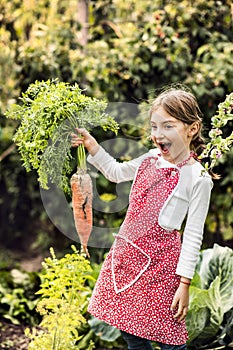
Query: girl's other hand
[83,137]
[181,302]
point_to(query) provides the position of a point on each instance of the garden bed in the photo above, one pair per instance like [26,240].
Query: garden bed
[12,336]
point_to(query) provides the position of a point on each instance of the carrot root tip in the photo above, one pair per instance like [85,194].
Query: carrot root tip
[84,246]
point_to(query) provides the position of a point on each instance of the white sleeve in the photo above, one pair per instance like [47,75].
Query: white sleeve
[193,231]
[113,170]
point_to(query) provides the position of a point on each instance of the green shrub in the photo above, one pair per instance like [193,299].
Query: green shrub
[17,296]
[210,317]
[64,297]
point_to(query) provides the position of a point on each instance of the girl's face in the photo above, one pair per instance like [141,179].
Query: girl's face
[171,135]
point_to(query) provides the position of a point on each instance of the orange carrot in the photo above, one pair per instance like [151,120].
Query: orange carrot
[82,194]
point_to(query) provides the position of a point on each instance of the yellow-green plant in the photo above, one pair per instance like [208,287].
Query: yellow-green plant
[64,297]
[218,145]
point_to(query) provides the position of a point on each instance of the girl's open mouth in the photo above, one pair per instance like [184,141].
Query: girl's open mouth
[164,147]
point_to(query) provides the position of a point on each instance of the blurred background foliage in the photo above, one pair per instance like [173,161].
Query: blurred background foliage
[121,52]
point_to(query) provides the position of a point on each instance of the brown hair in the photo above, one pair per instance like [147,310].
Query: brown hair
[181,104]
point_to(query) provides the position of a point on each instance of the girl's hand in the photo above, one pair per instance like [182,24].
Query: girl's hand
[83,137]
[181,302]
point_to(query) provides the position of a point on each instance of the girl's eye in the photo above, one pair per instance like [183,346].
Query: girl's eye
[168,126]
[153,127]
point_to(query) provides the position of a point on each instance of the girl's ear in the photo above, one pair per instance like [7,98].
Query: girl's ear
[193,129]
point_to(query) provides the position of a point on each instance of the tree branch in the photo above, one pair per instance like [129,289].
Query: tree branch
[7,152]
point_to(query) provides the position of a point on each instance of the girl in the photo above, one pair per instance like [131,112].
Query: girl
[143,287]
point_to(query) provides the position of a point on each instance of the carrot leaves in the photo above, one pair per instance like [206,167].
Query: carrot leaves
[48,112]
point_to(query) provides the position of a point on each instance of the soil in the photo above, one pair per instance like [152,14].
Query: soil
[12,336]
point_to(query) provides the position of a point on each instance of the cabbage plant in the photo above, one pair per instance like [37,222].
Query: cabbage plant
[210,317]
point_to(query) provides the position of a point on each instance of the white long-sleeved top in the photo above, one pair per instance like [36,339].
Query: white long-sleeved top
[189,200]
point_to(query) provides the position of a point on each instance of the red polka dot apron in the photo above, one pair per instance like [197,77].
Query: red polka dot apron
[137,282]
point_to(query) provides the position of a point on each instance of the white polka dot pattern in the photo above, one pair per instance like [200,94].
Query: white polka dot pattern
[142,264]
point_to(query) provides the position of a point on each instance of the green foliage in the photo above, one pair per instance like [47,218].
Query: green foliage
[66,287]
[48,113]
[17,299]
[128,54]
[36,37]
[103,330]
[103,336]
[64,296]
[219,145]
[7,74]
[155,44]
[211,300]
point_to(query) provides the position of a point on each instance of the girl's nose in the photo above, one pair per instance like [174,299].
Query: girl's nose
[157,133]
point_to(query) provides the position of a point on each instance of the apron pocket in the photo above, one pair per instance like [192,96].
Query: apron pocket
[129,262]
